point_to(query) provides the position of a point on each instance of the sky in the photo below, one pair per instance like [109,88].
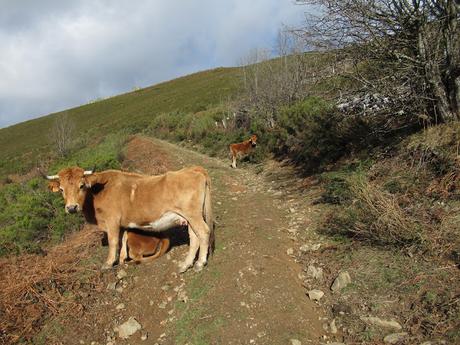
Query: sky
[57,54]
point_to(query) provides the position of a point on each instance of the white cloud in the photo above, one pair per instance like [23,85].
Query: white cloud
[59,54]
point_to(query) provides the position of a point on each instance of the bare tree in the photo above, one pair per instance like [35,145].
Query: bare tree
[415,44]
[62,134]
[271,83]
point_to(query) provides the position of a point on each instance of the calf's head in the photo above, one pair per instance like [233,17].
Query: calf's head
[253,140]
[73,183]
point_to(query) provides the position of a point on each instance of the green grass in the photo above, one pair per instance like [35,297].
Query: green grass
[32,217]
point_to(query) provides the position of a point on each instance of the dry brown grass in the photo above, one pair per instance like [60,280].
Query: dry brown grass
[34,287]
[380,218]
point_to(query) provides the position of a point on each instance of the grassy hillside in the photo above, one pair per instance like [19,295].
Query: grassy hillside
[22,143]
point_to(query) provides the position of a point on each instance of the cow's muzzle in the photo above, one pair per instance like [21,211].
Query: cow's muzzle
[253,144]
[72,208]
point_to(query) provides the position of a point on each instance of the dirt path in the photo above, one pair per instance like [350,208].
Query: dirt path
[250,293]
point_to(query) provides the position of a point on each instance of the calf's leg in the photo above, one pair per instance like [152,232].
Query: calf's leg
[233,161]
[124,247]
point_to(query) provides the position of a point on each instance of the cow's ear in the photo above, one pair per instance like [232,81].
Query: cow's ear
[54,186]
[91,180]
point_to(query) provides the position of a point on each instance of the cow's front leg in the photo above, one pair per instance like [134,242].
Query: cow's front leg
[113,235]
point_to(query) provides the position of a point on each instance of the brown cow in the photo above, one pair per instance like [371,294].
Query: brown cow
[114,199]
[142,248]
[240,149]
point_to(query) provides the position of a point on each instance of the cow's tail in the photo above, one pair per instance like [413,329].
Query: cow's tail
[208,216]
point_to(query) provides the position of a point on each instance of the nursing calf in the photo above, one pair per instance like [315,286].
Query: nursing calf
[114,200]
[142,248]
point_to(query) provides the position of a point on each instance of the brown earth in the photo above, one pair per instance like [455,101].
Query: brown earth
[250,293]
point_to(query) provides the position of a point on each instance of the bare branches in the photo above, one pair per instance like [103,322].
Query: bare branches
[62,134]
[418,41]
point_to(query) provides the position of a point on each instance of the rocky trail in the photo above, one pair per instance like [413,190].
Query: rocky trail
[252,291]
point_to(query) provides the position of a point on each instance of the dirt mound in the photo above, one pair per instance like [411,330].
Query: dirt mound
[141,155]
[35,287]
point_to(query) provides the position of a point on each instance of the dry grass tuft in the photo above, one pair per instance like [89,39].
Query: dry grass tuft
[35,287]
[379,216]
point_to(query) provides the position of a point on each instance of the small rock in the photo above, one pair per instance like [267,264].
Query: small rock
[110,343]
[342,280]
[381,323]
[162,305]
[111,286]
[315,272]
[335,343]
[165,287]
[122,274]
[295,342]
[292,209]
[310,247]
[333,327]
[128,328]
[182,296]
[290,251]
[315,295]
[293,231]
[394,338]
[340,309]
[136,279]
[151,302]
[260,334]
[119,289]
[144,336]
[121,306]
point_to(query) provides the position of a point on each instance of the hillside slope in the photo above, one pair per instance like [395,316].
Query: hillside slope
[131,111]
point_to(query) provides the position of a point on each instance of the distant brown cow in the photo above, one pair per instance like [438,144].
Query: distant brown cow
[114,199]
[142,248]
[240,149]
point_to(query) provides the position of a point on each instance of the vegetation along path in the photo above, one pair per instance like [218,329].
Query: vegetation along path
[250,293]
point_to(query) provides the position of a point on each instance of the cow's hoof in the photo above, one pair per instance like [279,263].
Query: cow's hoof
[198,266]
[183,268]
[106,267]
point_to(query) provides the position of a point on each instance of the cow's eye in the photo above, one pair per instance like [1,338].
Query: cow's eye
[61,189]
[82,186]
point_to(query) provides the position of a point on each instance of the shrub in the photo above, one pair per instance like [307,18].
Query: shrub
[308,133]
[30,215]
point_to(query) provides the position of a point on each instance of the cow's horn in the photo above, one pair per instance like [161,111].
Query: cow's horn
[88,172]
[52,177]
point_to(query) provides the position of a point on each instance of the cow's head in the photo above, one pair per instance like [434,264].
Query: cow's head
[73,183]
[253,140]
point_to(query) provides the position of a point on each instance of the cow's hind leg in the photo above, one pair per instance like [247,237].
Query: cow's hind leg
[202,231]
[193,248]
